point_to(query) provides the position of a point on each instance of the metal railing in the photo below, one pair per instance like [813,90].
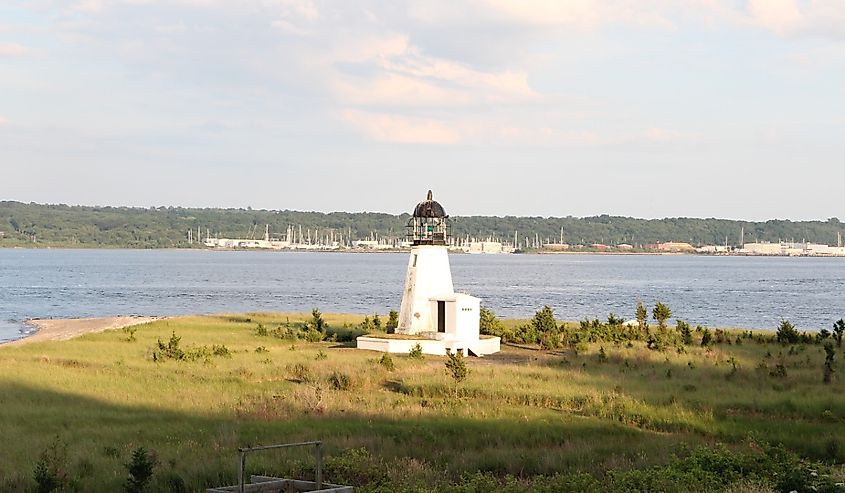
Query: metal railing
[318,454]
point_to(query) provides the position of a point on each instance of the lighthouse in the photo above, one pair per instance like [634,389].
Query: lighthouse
[428,274]
[432,315]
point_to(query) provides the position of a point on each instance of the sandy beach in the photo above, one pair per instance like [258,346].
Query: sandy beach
[64,329]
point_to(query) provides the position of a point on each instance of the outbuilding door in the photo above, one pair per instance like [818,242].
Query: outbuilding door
[441,316]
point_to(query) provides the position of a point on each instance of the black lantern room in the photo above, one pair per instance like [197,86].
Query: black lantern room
[429,225]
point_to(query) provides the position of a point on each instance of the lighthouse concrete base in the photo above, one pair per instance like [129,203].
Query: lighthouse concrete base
[482,346]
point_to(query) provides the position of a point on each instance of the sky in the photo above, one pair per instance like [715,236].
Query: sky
[644,108]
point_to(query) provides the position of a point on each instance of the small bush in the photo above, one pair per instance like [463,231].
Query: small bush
[140,471]
[386,361]
[456,368]
[416,352]
[317,323]
[779,371]
[340,381]
[170,350]
[345,333]
[261,350]
[301,373]
[392,322]
[130,333]
[261,330]
[787,334]
[313,335]
[706,338]
[661,313]
[685,331]
[51,472]
[320,355]
[221,350]
[828,362]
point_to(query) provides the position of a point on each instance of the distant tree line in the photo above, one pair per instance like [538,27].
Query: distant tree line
[166,227]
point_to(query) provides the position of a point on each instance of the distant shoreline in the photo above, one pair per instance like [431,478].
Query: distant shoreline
[363,251]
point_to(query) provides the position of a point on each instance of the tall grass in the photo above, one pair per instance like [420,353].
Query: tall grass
[520,414]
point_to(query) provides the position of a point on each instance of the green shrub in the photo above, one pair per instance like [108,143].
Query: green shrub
[340,381]
[51,471]
[787,334]
[489,324]
[828,362]
[130,333]
[392,322]
[838,331]
[416,352]
[221,350]
[456,368]
[706,338]
[642,317]
[661,313]
[170,350]
[386,361]
[346,333]
[313,335]
[317,323]
[683,328]
[301,373]
[261,330]
[321,356]
[140,471]
[779,371]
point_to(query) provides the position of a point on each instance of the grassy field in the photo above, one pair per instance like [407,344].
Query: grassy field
[612,416]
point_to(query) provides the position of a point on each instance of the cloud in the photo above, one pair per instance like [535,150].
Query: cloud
[545,14]
[382,127]
[665,135]
[780,16]
[12,49]
[3,121]
[783,18]
[400,74]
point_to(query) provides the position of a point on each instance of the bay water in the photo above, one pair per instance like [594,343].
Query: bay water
[746,292]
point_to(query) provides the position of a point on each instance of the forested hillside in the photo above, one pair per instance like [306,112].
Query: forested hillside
[166,227]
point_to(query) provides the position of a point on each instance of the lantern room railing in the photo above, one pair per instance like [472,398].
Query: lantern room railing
[428,230]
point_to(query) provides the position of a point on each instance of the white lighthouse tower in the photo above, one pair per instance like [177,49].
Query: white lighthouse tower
[428,273]
[439,319]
